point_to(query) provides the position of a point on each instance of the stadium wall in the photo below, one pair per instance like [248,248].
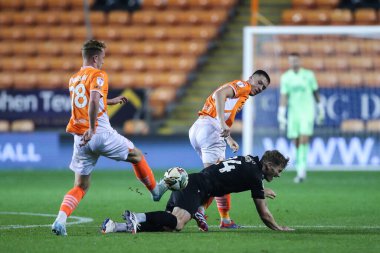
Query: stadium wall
[51,150]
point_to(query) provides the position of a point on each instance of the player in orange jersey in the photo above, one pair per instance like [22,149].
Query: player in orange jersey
[211,131]
[93,134]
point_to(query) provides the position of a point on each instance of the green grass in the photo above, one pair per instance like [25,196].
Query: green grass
[332,212]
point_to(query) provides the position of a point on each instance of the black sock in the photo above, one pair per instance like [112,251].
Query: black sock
[158,221]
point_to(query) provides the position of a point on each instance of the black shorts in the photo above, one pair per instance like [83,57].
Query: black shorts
[190,198]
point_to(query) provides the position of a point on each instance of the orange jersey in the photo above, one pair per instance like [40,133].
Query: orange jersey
[81,84]
[232,105]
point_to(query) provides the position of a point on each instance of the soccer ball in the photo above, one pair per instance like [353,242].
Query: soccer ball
[176,178]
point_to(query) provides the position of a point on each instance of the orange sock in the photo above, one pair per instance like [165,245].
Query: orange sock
[224,205]
[208,203]
[144,174]
[71,200]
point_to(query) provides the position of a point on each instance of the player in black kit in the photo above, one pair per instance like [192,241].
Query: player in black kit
[237,174]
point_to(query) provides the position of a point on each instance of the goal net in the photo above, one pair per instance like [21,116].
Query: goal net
[347,67]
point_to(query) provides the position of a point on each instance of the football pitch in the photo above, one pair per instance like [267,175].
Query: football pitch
[331,212]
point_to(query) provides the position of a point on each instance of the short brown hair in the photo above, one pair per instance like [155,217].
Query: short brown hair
[92,47]
[275,157]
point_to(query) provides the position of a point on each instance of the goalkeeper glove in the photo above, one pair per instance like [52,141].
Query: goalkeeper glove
[281,118]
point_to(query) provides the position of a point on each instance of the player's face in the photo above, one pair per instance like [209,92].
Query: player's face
[100,59]
[294,62]
[270,171]
[259,83]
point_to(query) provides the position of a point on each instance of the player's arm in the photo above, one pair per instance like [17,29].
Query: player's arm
[266,216]
[117,100]
[220,100]
[93,109]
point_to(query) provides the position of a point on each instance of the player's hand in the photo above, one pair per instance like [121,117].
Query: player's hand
[321,114]
[232,144]
[283,228]
[86,137]
[269,193]
[226,131]
[117,100]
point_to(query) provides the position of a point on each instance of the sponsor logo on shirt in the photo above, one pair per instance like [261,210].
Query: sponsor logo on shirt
[240,84]
[100,81]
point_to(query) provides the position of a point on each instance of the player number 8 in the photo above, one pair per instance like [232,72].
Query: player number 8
[79,92]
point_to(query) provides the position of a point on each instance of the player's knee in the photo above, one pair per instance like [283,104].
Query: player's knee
[134,156]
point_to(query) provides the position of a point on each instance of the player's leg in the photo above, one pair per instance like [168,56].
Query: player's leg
[82,163]
[119,148]
[70,202]
[144,173]
[305,131]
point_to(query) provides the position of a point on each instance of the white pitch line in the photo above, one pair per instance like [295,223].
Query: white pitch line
[310,226]
[79,220]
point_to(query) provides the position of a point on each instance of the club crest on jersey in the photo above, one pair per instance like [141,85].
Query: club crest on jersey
[100,81]
[240,84]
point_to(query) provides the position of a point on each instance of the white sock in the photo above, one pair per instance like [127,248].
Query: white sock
[62,217]
[141,217]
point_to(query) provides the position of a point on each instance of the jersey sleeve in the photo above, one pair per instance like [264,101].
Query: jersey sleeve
[313,81]
[240,88]
[99,82]
[283,85]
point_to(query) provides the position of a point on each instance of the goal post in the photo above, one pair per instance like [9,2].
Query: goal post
[344,59]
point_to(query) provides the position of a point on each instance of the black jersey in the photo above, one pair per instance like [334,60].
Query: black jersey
[237,174]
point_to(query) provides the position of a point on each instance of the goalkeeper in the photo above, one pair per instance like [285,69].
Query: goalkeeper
[299,90]
[237,174]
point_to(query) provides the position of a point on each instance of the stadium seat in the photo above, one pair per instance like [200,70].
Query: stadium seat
[327,79]
[6,80]
[313,63]
[193,47]
[120,48]
[318,17]
[327,4]
[53,80]
[71,48]
[72,18]
[201,4]
[97,18]
[37,5]
[132,33]
[122,80]
[365,17]
[373,125]
[6,18]
[273,48]
[38,64]
[341,17]
[347,47]
[336,64]
[25,18]
[48,18]
[136,126]
[361,63]
[371,79]
[78,5]
[22,125]
[370,47]
[24,48]
[60,33]
[59,5]
[224,4]
[178,4]
[48,48]
[107,33]
[119,17]
[320,48]
[171,17]
[13,64]
[4,126]
[303,4]
[294,46]
[24,81]
[154,4]
[170,48]
[352,126]
[6,49]
[350,79]
[269,64]
[12,33]
[162,95]
[294,17]
[11,4]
